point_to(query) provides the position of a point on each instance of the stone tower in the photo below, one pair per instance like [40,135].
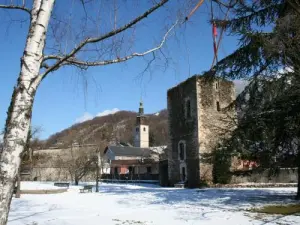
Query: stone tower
[197,114]
[141,137]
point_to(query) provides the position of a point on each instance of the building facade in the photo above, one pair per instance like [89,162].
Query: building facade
[198,113]
[131,163]
[141,132]
[138,162]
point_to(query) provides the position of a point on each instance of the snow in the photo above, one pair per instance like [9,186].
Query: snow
[159,149]
[147,204]
[26,185]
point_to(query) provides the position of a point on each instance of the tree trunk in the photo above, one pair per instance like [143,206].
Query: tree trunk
[98,170]
[97,178]
[18,191]
[298,186]
[19,113]
[76,181]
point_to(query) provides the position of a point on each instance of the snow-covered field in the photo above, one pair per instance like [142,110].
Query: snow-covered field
[25,185]
[129,204]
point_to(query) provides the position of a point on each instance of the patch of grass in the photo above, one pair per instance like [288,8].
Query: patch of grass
[288,209]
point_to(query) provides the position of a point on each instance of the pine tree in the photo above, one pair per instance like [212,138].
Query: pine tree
[269,34]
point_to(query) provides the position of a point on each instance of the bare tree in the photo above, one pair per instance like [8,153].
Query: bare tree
[99,168]
[78,161]
[37,64]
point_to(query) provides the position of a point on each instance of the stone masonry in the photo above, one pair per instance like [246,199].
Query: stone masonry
[197,119]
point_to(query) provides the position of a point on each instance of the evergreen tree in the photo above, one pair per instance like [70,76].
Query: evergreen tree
[269,34]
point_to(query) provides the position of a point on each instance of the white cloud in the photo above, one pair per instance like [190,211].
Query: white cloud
[108,112]
[86,116]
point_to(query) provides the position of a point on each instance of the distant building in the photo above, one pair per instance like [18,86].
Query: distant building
[197,117]
[138,162]
[141,133]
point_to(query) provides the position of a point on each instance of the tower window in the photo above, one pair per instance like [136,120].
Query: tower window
[218,106]
[144,128]
[181,150]
[217,85]
[188,109]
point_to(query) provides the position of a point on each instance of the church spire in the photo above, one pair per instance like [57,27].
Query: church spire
[141,139]
[140,119]
[141,108]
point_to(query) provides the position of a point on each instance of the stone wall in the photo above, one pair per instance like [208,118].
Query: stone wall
[183,128]
[51,164]
[55,174]
[284,176]
[201,129]
[215,120]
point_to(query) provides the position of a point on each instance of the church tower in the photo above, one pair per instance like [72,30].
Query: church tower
[141,137]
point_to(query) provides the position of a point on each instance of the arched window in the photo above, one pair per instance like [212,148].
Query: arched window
[144,128]
[181,150]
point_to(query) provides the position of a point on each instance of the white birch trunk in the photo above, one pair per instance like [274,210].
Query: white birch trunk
[19,113]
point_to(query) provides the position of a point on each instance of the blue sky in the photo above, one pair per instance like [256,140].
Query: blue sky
[63,98]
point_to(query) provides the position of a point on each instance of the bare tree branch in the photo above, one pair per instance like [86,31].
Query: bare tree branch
[69,57]
[23,8]
[82,63]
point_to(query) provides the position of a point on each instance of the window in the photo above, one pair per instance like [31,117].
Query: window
[149,169]
[218,106]
[144,128]
[188,113]
[181,150]
[217,86]
[137,129]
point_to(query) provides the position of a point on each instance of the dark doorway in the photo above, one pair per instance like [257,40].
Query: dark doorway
[183,173]
[131,169]
[116,171]
[163,173]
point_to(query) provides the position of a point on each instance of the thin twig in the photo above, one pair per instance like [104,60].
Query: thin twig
[68,58]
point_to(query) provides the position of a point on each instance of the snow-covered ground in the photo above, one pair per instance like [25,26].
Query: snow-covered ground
[129,204]
[26,185]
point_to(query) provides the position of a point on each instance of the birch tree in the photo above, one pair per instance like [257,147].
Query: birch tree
[37,64]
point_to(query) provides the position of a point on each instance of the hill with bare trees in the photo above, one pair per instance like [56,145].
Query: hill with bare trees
[113,128]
